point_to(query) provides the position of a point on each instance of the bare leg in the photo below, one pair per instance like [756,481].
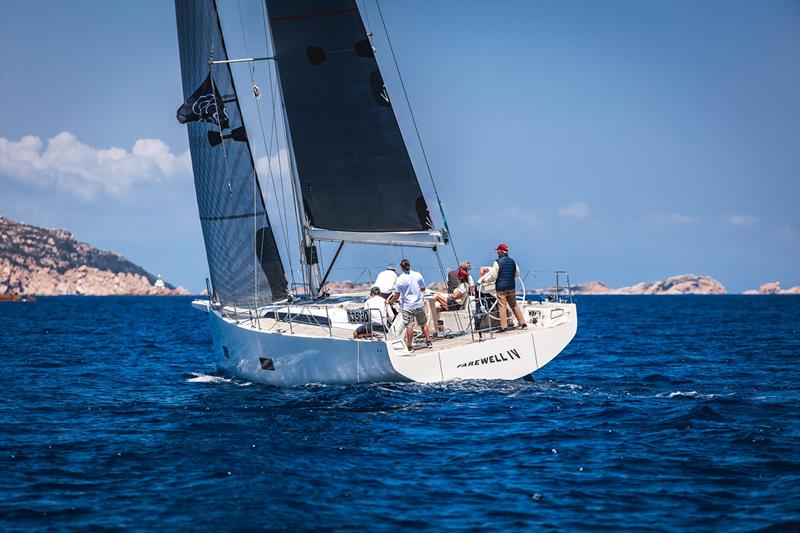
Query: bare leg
[410,336]
[426,331]
[435,314]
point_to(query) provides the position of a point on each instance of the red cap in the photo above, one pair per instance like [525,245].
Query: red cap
[462,274]
[502,247]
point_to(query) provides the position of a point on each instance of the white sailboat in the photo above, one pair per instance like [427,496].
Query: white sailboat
[343,138]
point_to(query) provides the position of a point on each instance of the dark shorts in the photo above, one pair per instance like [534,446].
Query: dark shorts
[453,305]
[363,329]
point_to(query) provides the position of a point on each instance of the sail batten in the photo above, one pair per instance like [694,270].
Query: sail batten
[243,259]
[353,167]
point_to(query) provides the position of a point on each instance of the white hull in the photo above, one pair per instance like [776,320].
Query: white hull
[312,354]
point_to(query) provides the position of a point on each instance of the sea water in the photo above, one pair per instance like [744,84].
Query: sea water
[665,413]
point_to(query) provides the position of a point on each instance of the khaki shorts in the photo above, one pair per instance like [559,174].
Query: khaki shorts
[411,314]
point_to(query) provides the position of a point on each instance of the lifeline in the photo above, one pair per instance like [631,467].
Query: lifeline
[499,358]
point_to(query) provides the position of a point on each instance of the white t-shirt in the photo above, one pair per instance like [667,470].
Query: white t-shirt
[386,280]
[410,286]
[378,310]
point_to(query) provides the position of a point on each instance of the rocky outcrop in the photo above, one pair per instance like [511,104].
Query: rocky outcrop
[53,262]
[683,284]
[773,288]
[592,287]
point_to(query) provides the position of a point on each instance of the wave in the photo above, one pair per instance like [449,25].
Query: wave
[208,378]
[690,394]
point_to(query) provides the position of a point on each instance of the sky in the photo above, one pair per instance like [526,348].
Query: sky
[621,141]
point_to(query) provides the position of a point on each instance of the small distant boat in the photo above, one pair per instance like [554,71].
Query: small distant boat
[352,182]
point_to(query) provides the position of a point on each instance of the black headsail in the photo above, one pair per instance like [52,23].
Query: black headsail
[243,259]
[354,170]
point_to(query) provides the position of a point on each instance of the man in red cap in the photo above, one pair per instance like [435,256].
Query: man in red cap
[504,272]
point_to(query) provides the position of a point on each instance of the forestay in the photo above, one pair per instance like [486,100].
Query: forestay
[243,259]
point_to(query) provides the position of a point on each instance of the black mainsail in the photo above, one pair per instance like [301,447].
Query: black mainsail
[243,259]
[352,163]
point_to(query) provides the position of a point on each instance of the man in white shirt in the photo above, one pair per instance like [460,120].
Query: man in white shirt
[409,289]
[379,315]
[386,280]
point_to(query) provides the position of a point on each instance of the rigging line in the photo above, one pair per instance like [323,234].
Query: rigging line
[267,147]
[282,212]
[240,190]
[255,175]
[273,133]
[297,195]
[416,129]
[219,123]
[270,45]
[264,139]
[444,277]
[255,242]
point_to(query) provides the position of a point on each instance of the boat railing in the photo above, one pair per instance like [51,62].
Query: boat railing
[558,290]
[293,314]
[484,304]
[304,314]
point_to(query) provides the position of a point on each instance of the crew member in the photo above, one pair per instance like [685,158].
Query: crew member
[409,290]
[386,280]
[378,315]
[505,272]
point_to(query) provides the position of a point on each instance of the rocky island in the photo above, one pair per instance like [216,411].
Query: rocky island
[682,284]
[52,262]
[773,288]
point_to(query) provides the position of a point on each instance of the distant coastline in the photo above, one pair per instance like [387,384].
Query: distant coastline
[52,262]
[682,284]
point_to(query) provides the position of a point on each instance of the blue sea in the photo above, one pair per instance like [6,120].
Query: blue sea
[666,413]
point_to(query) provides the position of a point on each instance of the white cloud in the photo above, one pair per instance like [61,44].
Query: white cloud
[673,218]
[275,165]
[579,210]
[743,220]
[85,171]
[680,218]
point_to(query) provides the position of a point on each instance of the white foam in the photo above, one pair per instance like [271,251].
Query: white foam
[690,394]
[205,378]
